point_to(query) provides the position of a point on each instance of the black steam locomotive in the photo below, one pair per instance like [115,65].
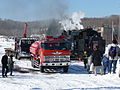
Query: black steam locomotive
[84,40]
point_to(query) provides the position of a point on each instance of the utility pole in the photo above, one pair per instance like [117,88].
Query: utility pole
[119,31]
[112,31]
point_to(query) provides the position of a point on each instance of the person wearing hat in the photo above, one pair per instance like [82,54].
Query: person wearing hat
[4,62]
[112,53]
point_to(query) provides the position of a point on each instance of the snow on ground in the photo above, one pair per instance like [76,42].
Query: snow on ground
[77,78]
[5,43]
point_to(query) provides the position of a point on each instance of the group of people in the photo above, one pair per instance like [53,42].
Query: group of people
[7,64]
[106,62]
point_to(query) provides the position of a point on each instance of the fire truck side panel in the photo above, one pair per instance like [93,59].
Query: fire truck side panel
[34,48]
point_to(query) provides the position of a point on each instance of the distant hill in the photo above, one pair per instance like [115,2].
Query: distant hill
[96,22]
[10,27]
[15,28]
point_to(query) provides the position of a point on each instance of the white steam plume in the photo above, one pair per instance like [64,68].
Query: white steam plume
[74,22]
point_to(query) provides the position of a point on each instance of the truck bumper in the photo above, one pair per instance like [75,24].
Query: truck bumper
[56,64]
[24,55]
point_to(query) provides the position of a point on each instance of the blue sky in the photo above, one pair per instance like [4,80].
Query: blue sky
[30,10]
[96,8]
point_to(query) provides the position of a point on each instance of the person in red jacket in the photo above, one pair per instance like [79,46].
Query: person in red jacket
[4,62]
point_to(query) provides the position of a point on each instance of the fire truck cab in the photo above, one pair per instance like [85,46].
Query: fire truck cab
[51,52]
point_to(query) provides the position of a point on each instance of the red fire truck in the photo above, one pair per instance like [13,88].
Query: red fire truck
[51,52]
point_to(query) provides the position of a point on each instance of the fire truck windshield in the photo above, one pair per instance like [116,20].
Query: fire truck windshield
[55,46]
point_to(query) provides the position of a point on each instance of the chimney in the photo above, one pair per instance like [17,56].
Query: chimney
[25,30]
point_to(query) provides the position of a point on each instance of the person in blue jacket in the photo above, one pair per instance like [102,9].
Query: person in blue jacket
[105,62]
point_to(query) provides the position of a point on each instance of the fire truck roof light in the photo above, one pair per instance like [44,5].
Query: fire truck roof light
[49,37]
[61,37]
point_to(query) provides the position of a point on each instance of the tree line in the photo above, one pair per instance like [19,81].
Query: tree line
[15,28]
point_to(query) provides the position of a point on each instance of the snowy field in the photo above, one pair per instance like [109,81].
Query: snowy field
[77,77]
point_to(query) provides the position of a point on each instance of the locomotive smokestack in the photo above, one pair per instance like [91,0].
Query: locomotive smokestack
[25,30]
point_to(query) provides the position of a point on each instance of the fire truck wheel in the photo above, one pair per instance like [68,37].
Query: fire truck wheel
[32,63]
[65,69]
[16,56]
[41,69]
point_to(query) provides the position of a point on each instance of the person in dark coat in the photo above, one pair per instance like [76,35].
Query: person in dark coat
[96,60]
[4,62]
[85,59]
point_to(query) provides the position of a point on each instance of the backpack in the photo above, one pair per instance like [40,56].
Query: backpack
[112,52]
